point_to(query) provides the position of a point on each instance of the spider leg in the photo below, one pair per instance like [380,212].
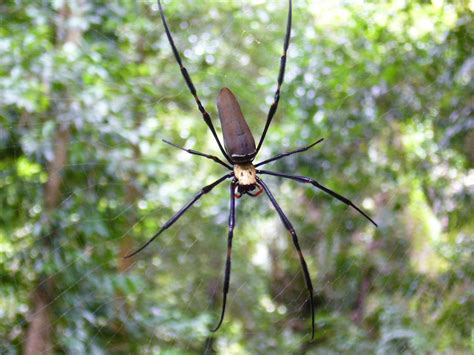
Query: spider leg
[229,253]
[289,227]
[178,214]
[195,152]
[282,155]
[189,83]
[281,76]
[307,180]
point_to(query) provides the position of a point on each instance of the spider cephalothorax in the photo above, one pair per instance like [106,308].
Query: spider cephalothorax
[246,178]
[240,151]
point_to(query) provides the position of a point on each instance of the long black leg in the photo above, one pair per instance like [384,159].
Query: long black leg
[178,214]
[289,227]
[190,84]
[313,182]
[229,253]
[282,155]
[195,152]
[281,76]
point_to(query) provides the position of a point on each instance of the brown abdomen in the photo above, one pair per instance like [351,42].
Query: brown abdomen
[238,139]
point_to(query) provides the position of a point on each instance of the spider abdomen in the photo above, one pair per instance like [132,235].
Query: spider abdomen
[238,139]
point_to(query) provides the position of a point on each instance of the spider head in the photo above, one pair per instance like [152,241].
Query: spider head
[245,174]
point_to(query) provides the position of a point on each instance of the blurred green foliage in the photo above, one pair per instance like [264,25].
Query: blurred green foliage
[389,85]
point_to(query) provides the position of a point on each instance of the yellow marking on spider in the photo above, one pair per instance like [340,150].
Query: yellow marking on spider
[245,174]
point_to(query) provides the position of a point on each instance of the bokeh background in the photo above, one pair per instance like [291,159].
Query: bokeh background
[88,90]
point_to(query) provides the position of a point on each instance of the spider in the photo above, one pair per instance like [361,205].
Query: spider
[240,151]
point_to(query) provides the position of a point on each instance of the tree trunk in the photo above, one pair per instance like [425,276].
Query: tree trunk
[40,328]
[39,334]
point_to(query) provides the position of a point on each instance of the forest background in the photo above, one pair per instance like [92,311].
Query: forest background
[88,89]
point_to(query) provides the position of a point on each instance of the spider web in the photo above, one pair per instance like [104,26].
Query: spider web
[259,240]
